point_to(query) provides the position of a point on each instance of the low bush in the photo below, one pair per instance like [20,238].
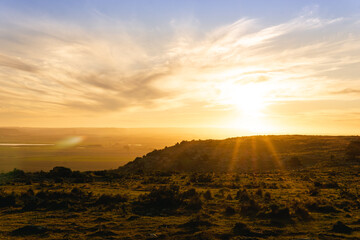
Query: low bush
[207,195]
[250,208]
[242,195]
[229,211]
[7,200]
[201,178]
[194,204]
[161,198]
[106,199]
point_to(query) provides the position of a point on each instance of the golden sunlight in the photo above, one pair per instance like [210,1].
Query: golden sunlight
[134,118]
[249,101]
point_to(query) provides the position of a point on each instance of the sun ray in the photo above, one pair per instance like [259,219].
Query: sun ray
[274,152]
[254,155]
[235,155]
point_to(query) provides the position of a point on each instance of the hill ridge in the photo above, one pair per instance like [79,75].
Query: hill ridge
[262,152]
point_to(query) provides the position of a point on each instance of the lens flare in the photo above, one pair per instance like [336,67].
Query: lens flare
[69,142]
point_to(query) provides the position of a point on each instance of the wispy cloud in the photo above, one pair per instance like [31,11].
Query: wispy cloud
[16,63]
[347,91]
[48,66]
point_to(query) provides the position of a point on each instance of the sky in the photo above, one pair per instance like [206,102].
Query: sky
[268,67]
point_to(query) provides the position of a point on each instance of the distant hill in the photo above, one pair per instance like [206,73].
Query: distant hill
[244,154]
[9,131]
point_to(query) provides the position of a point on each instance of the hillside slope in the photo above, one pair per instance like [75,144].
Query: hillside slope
[244,154]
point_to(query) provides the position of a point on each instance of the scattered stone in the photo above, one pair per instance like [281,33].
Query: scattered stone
[72,216]
[241,229]
[229,211]
[304,239]
[153,236]
[132,218]
[29,230]
[196,222]
[229,197]
[340,227]
[103,233]
[101,219]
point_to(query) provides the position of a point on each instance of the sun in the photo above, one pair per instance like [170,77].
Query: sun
[249,101]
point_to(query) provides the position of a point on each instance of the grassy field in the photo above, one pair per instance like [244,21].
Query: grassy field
[297,204]
[79,158]
[301,187]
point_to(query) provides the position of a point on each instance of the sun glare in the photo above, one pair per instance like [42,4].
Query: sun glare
[249,101]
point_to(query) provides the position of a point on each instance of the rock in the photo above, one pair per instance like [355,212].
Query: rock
[103,233]
[132,218]
[101,219]
[153,236]
[29,230]
[229,211]
[241,229]
[198,221]
[340,227]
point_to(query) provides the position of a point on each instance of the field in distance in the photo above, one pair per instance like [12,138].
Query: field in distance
[88,148]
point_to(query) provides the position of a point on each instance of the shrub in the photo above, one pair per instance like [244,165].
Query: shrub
[259,192]
[207,195]
[16,173]
[201,178]
[162,198]
[29,230]
[242,195]
[30,201]
[61,172]
[340,227]
[346,193]
[241,229]
[314,192]
[189,193]
[220,193]
[77,191]
[156,180]
[316,207]
[197,221]
[250,208]
[54,200]
[194,203]
[278,213]
[7,200]
[229,211]
[106,199]
[331,185]
[267,197]
[302,213]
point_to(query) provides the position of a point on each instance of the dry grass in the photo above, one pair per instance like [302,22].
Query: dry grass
[268,205]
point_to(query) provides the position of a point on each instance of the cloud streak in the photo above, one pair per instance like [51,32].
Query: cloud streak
[47,66]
